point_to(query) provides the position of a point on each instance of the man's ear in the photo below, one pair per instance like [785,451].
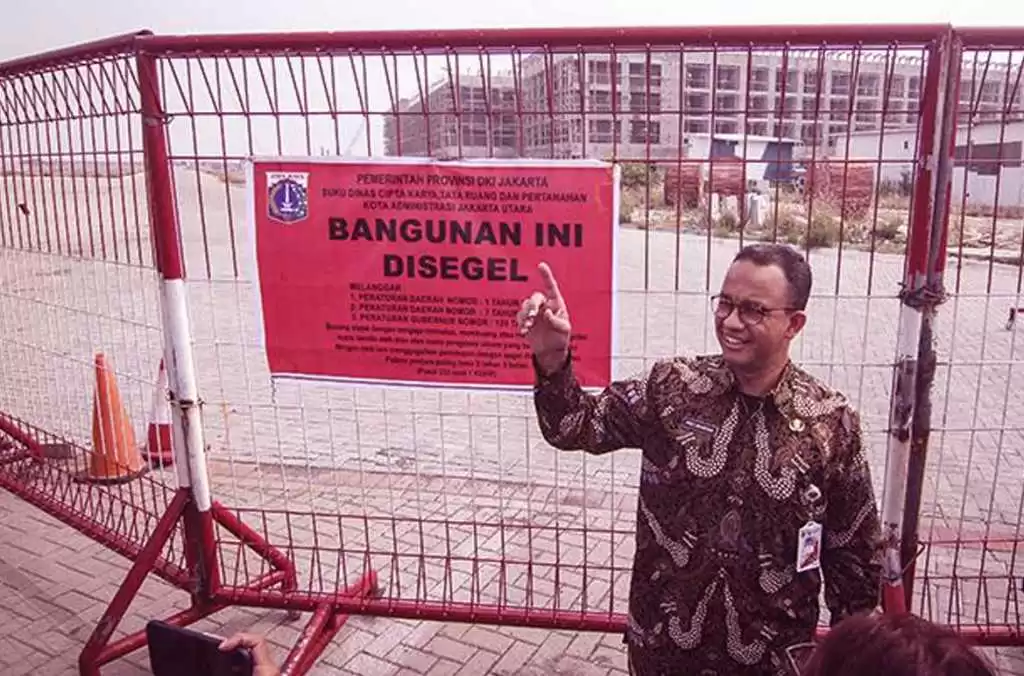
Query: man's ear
[796,324]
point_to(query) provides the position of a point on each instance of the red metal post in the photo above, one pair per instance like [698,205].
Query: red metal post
[162,211]
[188,446]
[8,427]
[931,293]
[901,409]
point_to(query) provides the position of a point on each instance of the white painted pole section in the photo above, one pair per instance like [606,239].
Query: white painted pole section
[178,448]
[895,489]
[189,445]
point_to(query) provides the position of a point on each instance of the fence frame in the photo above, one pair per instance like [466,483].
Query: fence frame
[193,506]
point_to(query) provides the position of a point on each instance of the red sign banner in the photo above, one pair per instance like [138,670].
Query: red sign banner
[411,272]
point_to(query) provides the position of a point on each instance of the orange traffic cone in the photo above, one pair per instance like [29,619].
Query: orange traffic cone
[159,451]
[115,458]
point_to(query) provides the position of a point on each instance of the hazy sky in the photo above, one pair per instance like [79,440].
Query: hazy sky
[40,25]
[43,24]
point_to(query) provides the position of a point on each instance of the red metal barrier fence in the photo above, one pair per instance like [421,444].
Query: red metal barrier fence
[124,229]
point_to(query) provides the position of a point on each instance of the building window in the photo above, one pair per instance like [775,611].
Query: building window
[638,76]
[914,88]
[867,85]
[697,103]
[896,87]
[600,101]
[760,80]
[644,132]
[987,158]
[728,78]
[697,126]
[698,77]
[505,131]
[787,81]
[598,72]
[727,104]
[600,131]
[840,84]
[810,82]
[638,102]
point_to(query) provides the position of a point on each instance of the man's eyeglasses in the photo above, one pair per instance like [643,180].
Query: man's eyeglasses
[749,313]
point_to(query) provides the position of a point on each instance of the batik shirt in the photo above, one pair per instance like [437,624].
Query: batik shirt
[726,485]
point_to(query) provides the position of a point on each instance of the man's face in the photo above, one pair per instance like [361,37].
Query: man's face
[757,332]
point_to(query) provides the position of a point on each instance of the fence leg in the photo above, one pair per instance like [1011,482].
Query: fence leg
[325,624]
[130,644]
[10,427]
[193,614]
[99,651]
[92,657]
[315,636]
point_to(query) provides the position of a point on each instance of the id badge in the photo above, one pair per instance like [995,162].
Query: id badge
[808,551]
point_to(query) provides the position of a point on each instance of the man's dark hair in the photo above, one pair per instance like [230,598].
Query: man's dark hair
[790,261]
[896,645]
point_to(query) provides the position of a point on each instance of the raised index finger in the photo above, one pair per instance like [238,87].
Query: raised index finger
[550,283]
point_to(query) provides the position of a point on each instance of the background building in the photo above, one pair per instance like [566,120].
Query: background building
[648,104]
[988,156]
[474,118]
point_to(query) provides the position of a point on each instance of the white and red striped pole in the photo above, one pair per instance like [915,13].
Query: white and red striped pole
[183,390]
[921,292]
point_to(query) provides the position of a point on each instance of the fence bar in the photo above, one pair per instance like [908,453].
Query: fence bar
[117,44]
[989,36]
[573,38]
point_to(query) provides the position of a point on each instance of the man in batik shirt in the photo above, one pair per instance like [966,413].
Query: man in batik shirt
[754,485]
